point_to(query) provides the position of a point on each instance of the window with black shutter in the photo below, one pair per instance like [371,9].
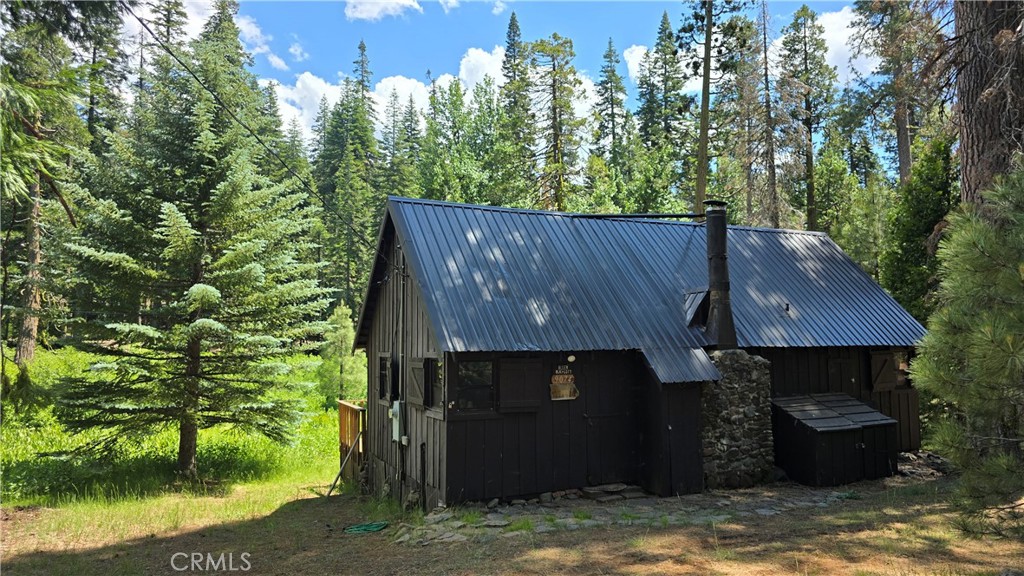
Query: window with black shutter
[383,385]
[433,384]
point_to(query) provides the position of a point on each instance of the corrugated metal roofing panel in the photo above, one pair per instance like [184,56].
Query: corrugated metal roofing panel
[522,280]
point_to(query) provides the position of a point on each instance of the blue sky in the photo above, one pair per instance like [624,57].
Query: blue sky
[306,47]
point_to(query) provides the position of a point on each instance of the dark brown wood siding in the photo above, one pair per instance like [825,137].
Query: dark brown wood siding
[400,324]
[529,443]
[854,371]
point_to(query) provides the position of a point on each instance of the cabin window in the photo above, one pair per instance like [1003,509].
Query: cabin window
[474,388]
[433,391]
[383,384]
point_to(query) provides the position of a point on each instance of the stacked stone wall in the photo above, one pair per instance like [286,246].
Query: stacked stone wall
[736,422]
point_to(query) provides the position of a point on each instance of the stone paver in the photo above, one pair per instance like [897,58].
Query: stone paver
[613,505]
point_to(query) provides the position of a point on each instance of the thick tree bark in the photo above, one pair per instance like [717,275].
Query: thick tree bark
[188,435]
[990,90]
[705,113]
[29,329]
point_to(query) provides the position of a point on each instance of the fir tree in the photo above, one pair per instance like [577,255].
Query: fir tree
[198,276]
[610,111]
[664,106]
[513,156]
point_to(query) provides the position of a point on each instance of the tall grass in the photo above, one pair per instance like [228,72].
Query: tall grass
[39,465]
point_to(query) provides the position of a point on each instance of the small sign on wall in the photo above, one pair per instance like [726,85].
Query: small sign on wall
[563,384]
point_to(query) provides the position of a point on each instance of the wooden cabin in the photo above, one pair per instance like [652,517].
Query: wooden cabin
[516,352]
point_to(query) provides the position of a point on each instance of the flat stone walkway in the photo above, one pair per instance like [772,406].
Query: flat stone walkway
[629,506]
[477,523]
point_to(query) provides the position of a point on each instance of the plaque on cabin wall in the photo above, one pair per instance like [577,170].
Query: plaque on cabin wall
[563,384]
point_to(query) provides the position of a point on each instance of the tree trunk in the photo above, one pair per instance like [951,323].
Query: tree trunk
[29,330]
[774,216]
[902,121]
[705,114]
[990,90]
[812,207]
[188,434]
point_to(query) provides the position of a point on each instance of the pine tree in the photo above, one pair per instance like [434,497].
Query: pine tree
[738,117]
[768,127]
[717,28]
[808,93]
[194,268]
[554,92]
[906,40]
[971,356]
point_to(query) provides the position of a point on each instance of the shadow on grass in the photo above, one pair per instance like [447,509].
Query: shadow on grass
[306,537]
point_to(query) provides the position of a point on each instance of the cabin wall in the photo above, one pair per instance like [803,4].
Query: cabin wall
[867,374]
[400,323]
[530,444]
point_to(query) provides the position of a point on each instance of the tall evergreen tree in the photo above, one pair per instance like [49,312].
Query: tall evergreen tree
[40,124]
[556,88]
[514,157]
[808,87]
[610,111]
[664,106]
[197,277]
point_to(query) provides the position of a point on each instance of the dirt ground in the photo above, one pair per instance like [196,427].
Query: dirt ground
[898,526]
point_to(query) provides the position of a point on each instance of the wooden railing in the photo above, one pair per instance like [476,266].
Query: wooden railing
[351,421]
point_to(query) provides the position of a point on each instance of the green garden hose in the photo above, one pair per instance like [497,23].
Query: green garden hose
[366,528]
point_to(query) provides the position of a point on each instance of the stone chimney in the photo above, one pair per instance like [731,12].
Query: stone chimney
[719,328]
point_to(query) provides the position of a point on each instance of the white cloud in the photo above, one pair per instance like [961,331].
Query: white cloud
[276,61]
[447,5]
[499,7]
[405,87]
[252,35]
[586,97]
[477,63]
[301,101]
[634,57]
[196,15]
[256,42]
[838,29]
[377,9]
[298,53]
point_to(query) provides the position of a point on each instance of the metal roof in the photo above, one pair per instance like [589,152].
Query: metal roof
[499,279]
[832,412]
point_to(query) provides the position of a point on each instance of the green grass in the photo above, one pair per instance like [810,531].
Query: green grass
[581,514]
[42,464]
[471,516]
[520,525]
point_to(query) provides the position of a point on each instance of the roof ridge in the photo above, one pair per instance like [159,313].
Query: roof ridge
[584,216]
